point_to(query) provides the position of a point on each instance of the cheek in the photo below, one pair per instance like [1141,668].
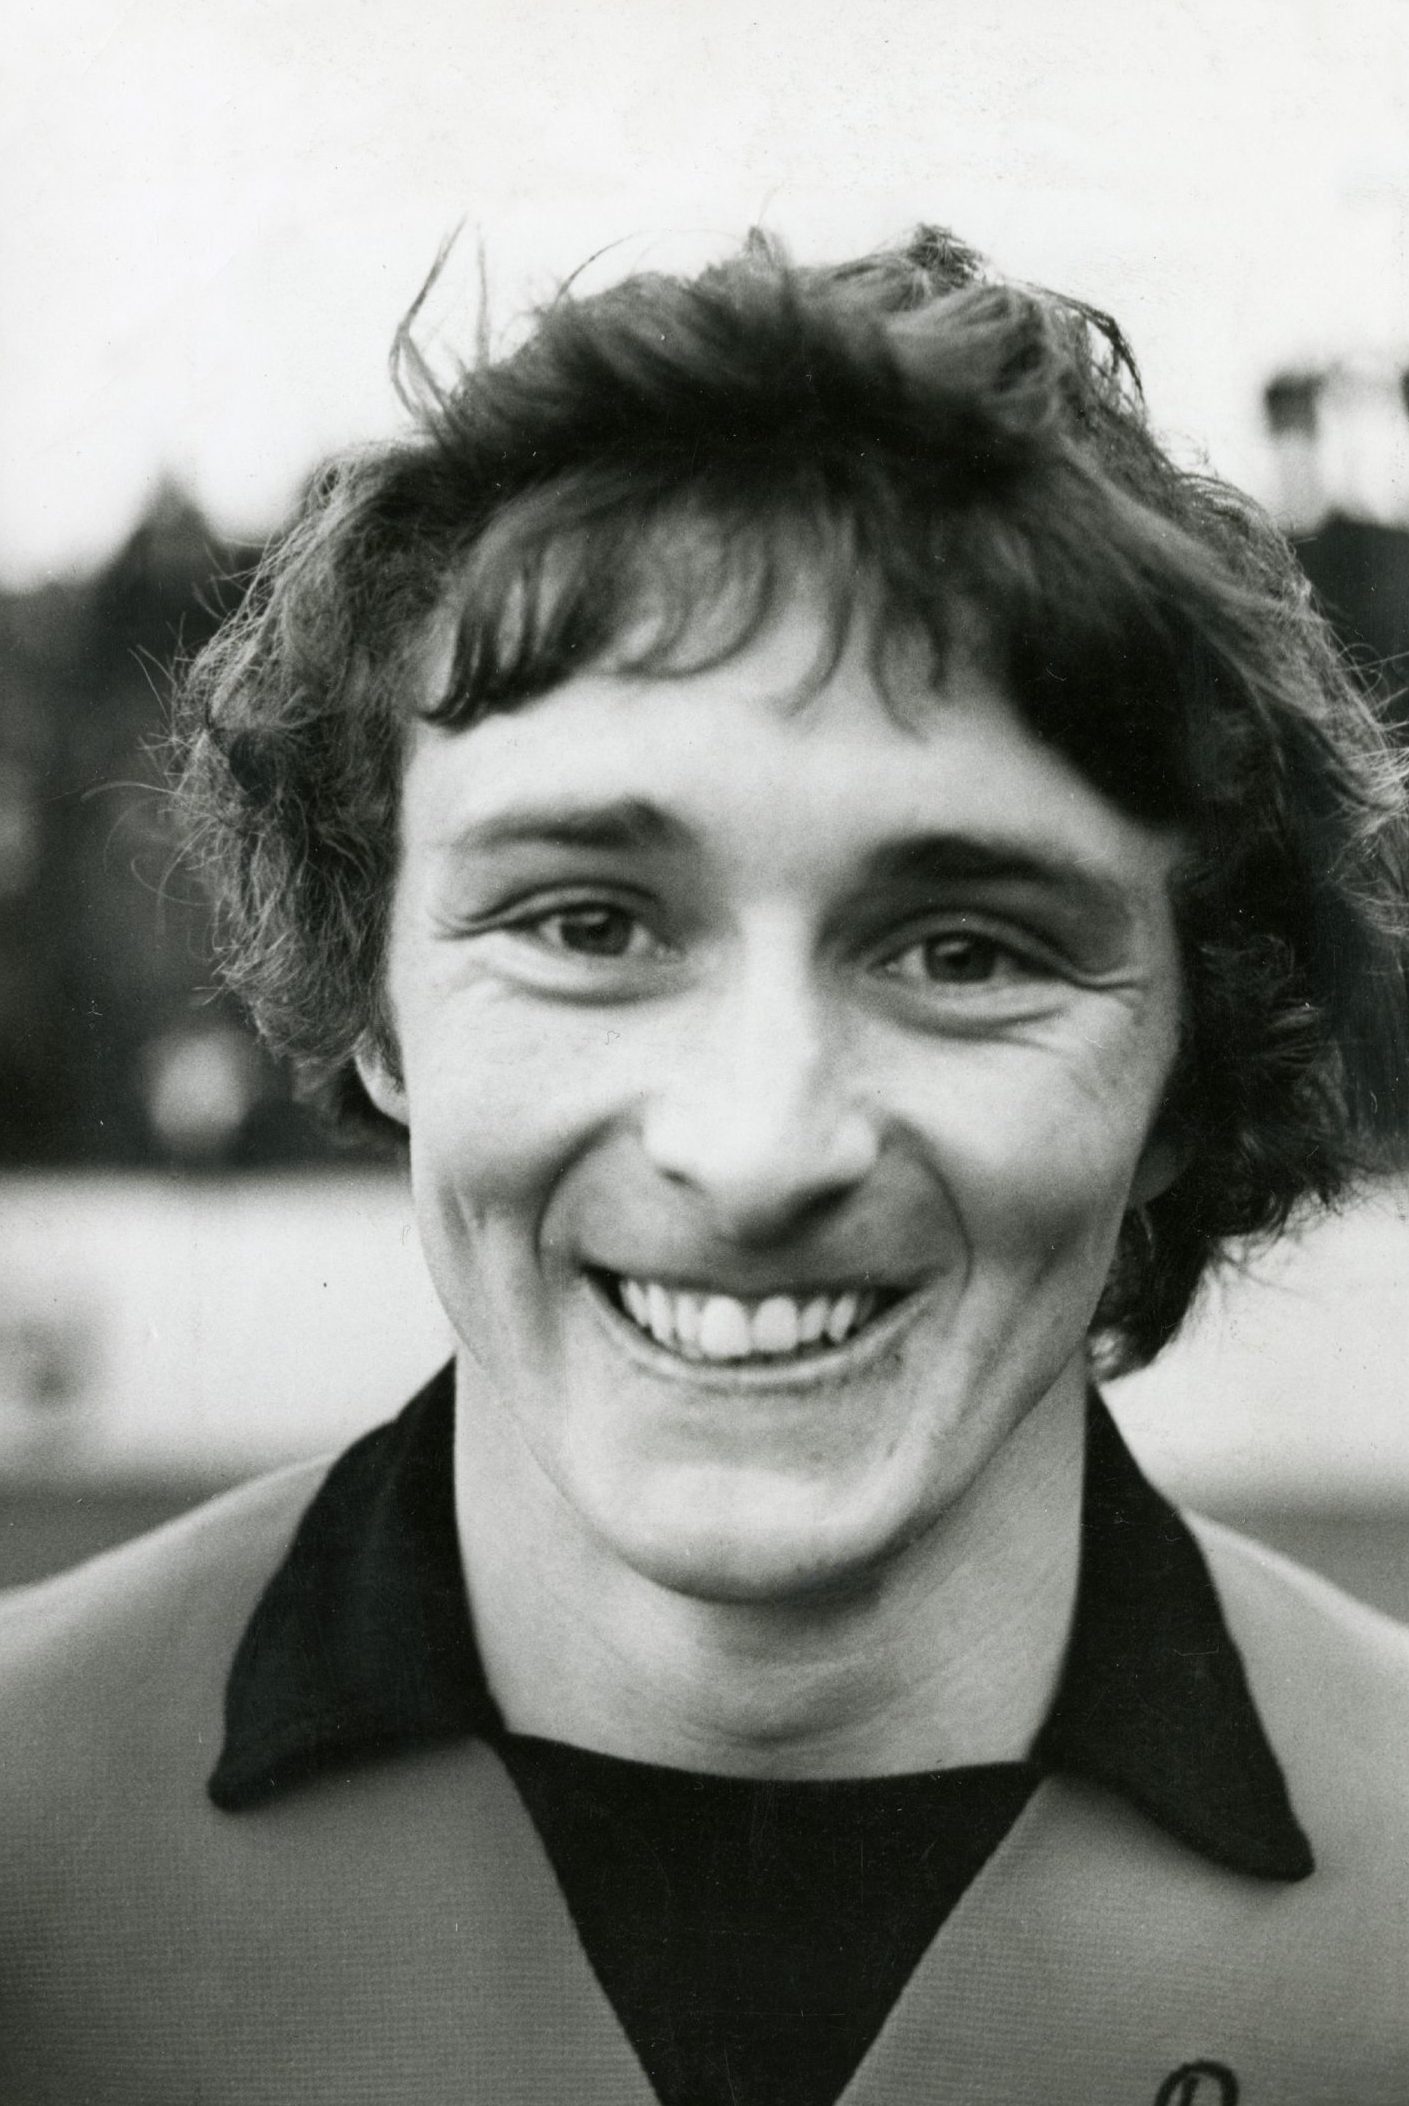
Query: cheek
[1037,1155]
[499,1105]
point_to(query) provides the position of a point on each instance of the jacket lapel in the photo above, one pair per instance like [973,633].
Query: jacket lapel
[1096,1962]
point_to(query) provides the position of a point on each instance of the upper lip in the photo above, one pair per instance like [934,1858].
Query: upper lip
[755,1284]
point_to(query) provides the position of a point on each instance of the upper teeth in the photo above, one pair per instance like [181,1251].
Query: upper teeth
[721,1327]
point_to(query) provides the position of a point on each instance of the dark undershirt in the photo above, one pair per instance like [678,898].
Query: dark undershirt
[753,1937]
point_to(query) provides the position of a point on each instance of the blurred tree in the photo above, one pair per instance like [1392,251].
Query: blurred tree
[108,1023]
[1360,569]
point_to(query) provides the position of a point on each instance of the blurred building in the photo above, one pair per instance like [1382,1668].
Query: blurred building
[1341,438]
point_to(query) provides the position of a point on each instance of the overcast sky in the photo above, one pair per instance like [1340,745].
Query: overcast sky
[215,210]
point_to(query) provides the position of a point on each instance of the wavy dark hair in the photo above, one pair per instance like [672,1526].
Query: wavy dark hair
[964,462]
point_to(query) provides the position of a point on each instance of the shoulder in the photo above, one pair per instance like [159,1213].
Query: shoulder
[1331,1680]
[123,1660]
[1307,1638]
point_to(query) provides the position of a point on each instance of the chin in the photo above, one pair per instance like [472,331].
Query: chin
[754,1537]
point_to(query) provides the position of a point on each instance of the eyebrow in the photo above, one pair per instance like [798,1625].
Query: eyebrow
[928,862]
[629,823]
[917,862]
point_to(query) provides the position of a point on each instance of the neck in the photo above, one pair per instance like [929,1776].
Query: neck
[946,1655]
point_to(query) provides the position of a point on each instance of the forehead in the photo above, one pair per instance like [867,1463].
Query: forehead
[776,758]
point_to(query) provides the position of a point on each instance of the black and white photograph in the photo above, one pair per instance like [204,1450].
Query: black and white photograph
[704,1054]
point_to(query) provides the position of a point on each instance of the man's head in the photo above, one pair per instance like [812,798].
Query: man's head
[781,1052]
[953,480]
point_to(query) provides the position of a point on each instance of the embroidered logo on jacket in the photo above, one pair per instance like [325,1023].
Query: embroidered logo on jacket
[1199,2084]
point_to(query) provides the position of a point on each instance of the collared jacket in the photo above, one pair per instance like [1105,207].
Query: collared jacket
[389,1928]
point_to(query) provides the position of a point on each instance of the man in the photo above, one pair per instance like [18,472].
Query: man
[853,878]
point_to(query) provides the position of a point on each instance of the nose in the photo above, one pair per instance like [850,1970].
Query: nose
[757,1111]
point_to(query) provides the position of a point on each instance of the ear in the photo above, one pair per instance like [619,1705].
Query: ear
[382,1081]
[1165,1157]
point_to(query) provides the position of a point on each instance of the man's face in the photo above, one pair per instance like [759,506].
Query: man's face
[778,1071]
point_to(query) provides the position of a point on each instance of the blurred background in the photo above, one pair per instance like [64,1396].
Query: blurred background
[213,221]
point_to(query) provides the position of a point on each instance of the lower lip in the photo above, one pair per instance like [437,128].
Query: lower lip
[818,1370]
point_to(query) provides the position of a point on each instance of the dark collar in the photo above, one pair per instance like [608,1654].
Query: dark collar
[362,1646]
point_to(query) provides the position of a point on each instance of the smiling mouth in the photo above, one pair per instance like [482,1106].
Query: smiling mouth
[722,1328]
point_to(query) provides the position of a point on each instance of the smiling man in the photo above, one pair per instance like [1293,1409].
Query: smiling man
[852,878]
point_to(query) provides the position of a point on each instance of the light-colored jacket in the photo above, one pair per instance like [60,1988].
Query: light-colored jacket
[396,1934]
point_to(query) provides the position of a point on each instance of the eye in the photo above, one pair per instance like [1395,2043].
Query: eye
[964,958]
[593,929]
